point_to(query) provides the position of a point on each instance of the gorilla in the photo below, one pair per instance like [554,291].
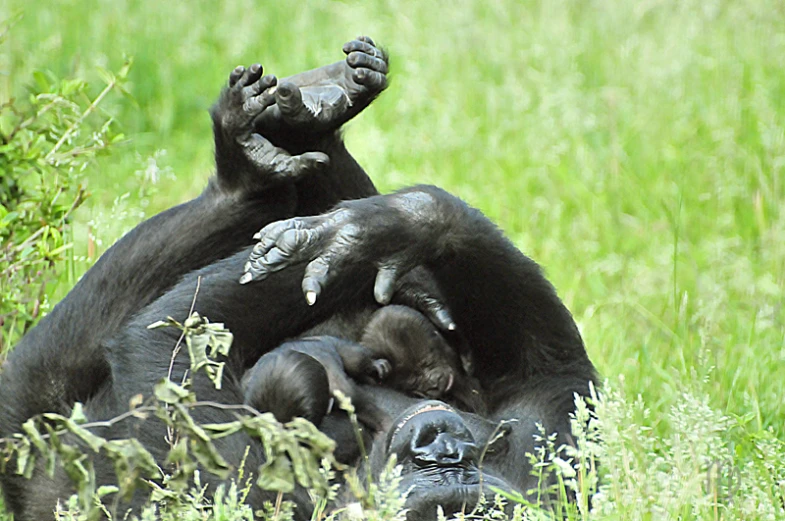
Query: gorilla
[330,249]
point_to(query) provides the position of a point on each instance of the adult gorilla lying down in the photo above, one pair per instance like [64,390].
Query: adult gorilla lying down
[329,237]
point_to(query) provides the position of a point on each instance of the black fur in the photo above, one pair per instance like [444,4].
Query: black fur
[527,355]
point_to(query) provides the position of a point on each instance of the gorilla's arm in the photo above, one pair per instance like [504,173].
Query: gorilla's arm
[528,353]
[514,322]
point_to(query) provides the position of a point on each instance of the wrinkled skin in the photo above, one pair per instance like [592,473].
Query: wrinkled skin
[280,165]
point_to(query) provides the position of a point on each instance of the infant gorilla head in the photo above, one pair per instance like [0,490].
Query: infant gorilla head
[399,345]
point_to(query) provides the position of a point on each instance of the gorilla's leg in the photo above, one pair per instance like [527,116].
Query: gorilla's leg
[308,110]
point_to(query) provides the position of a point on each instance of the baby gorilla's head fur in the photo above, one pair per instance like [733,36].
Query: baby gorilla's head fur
[282,382]
[423,363]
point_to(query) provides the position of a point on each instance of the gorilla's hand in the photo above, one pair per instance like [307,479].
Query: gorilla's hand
[323,99]
[247,161]
[393,232]
[418,289]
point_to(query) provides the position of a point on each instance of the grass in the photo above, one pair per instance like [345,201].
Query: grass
[635,149]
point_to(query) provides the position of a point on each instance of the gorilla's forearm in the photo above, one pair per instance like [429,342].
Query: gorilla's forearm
[513,320]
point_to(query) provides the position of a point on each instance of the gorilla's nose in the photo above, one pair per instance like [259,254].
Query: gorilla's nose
[443,449]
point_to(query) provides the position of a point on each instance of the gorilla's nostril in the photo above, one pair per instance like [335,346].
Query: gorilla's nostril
[442,449]
[425,438]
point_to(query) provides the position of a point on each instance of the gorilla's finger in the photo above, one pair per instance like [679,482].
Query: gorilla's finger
[268,235]
[263,83]
[290,102]
[370,79]
[235,75]
[255,72]
[258,268]
[274,259]
[360,59]
[365,45]
[248,76]
[280,239]
[384,287]
[254,271]
[443,319]
[418,289]
[293,167]
[256,104]
[316,275]
[437,313]
[366,39]
[308,163]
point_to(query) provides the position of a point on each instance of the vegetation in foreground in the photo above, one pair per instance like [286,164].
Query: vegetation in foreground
[635,149]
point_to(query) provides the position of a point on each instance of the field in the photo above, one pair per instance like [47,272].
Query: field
[636,150]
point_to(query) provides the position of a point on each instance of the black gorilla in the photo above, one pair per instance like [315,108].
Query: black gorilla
[279,156]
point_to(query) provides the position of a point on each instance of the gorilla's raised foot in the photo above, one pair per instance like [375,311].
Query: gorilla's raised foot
[321,100]
[246,160]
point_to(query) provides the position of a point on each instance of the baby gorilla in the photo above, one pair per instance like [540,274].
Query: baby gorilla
[423,363]
[399,345]
[290,380]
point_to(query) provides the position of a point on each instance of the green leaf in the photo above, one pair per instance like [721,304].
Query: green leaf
[25,459]
[277,475]
[105,75]
[169,392]
[132,463]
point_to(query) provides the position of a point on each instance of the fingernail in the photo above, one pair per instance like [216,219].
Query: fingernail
[310,297]
[246,278]
[257,235]
[451,326]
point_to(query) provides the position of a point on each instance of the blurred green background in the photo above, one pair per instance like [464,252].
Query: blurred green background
[635,149]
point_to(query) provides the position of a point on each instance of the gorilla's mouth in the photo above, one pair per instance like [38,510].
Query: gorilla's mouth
[458,491]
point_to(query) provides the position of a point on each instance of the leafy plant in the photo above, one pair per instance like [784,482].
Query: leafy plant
[47,140]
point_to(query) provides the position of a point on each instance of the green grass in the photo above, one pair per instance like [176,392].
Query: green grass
[635,149]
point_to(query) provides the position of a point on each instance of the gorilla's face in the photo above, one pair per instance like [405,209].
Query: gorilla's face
[440,457]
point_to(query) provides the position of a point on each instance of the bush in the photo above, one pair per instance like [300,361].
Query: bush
[47,140]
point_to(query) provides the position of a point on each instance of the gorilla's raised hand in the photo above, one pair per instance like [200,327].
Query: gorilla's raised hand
[323,99]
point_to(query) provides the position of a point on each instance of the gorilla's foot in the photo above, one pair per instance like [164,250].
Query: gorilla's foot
[323,99]
[245,159]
